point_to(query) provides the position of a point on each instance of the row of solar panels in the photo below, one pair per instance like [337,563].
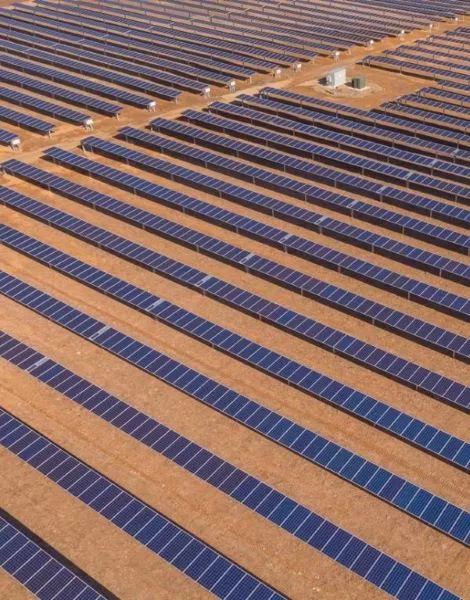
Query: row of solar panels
[434,58]
[290,243]
[7,138]
[25,121]
[442,120]
[160,536]
[445,95]
[410,68]
[216,573]
[384,19]
[27,559]
[457,522]
[241,36]
[376,413]
[63,43]
[348,265]
[378,151]
[54,91]
[360,128]
[302,216]
[373,312]
[16,18]
[416,127]
[255,59]
[370,167]
[375,190]
[439,106]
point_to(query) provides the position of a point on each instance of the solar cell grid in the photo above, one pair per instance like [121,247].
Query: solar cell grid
[382,416]
[84,69]
[44,574]
[47,108]
[359,129]
[53,91]
[372,312]
[379,151]
[352,267]
[366,166]
[7,137]
[378,191]
[185,452]
[144,524]
[425,381]
[86,85]
[25,121]
[382,120]
[294,244]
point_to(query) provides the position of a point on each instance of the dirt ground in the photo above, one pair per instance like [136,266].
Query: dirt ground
[115,560]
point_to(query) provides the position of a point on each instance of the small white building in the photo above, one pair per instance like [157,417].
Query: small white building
[336,77]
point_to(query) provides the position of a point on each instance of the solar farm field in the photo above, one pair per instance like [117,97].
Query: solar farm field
[234,301]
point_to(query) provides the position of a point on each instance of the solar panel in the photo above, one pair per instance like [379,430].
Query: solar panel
[227,401]
[379,151]
[401,370]
[53,91]
[47,108]
[399,323]
[25,121]
[96,72]
[39,569]
[190,72]
[301,216]
[421,259]
[7,138]
[378,191]
[152,529]
[350,266]
[14,18]
[409,112]
[365,166]
[360,129]
[76,82]
[419,128]
[139,425]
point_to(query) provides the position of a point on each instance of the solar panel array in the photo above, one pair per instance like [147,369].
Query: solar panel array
[433,58]
[162,537]
[250,318]
[43,574]
[350,303]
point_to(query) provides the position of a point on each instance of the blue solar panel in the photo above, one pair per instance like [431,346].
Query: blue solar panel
[421,129]
[25,121]
[191,72]
[344,160]
[375,132]
[14,18]
[423,380]
[400,323]
[416,114]
[41,106]
[309,170]
[184,452]
[26,51]
[73,81]
[420,259]
[53,91]
[378,151]
[7,137]
[44,573]
[157,35]
[362,406]
[143,523]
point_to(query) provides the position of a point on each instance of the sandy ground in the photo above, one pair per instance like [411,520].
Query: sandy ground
[118,562]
